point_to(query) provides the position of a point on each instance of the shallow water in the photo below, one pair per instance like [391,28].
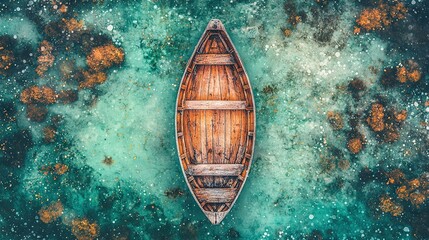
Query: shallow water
[117,142]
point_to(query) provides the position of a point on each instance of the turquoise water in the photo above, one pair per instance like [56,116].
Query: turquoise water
[121,176]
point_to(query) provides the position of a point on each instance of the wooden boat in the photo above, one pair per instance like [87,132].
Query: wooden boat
[215,123]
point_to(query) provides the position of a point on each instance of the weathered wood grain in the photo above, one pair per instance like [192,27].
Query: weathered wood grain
[215,169]
[214,59]
[214,105]
[215,195]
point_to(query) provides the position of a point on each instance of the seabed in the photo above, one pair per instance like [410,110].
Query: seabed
[87,101]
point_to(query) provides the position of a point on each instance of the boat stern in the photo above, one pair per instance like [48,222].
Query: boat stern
[215,217]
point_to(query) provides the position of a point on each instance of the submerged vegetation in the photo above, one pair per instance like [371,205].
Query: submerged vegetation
[381,16]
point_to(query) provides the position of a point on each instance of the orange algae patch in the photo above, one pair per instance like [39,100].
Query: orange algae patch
[6,59]
[400,116]
[388,206]
[51,212]
[60,168]
[375,119]
[380,17]
[395,176]
[73,25]
[417,199]
[294,19]
[287,32]
[49,134]
[391,134]
[414,184]
[386,123]
[46,59]
[38,94]
[370,19]
[82,229]
[415,191]
[104,57]
[409,72]
[335,120]
[355,145]
[402,192]
[92,79]
[63,8]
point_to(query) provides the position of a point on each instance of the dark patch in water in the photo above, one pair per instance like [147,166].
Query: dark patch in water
[14,148]
[357,86]
[174,193]
[325,25]
[233,234]
[7,111]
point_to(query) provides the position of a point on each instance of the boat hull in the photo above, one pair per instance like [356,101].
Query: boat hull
[215,123]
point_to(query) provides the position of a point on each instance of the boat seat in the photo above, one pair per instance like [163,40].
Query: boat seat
[215,169]
[216,105]
[215,195]
[214,59]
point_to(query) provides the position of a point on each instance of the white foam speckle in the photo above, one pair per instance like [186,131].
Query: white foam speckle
[110,28]
[311,216]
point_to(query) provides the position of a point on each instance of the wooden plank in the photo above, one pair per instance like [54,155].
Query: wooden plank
[207,44]
[219,131]
[187,81]
[215,169]
[188,136]
[203,91]
[204,83]
[224,139]
[203,137]
[227,115]
[243,137]
[209,135]
[215,195]
[228,136]
[234,85]
[214,59]
[221,44]
[214,48]
[197,82]
[239,88]
[190,86]
[197,135]
[212,94]
[214,105]
[240,154]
